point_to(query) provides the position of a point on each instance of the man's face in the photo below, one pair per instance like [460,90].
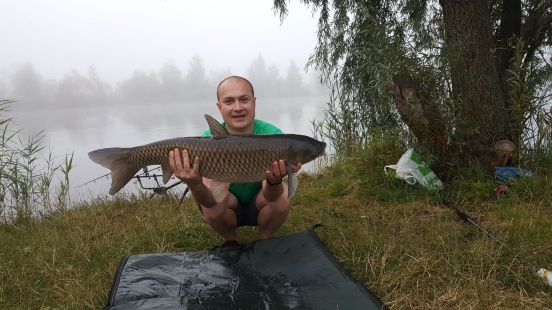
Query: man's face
[237,106]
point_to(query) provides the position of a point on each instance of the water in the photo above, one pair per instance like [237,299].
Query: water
[80,130]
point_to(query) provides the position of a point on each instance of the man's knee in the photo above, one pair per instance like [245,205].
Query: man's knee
[283,206]
[280,206]
[220,210]
[213,214]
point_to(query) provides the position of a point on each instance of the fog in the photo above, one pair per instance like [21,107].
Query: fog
[75,56]
[94,74]
[119,37]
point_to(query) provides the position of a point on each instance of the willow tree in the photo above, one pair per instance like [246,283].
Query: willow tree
[460,74]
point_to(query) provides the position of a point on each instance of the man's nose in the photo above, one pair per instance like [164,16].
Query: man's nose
[238,105]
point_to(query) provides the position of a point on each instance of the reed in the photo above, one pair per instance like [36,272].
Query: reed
[30,185]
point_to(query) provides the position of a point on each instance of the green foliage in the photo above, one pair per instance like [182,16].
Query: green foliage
[362,44]
[360,47]
[357,68]
[531,115]
[26,180]
[361,174]
[472,181]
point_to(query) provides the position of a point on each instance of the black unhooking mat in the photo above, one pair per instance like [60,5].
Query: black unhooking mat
[295,271]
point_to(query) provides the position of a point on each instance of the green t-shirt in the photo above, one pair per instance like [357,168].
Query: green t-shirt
[244,192]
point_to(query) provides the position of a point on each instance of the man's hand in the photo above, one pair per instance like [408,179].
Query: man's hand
[180,164]
[279,172]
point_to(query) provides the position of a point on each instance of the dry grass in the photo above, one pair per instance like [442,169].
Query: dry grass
[425,258]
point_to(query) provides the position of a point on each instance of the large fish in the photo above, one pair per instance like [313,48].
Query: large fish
[224,158]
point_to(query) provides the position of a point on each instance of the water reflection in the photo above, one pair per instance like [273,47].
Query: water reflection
[83,129]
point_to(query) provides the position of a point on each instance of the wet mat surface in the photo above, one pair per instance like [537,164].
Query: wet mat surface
[290,272]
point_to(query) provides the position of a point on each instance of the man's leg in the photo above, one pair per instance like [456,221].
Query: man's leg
[222,217]
[272,215]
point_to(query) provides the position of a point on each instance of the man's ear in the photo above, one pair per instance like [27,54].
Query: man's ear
[218,105]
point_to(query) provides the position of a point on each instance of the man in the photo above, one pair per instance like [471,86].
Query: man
[264,204]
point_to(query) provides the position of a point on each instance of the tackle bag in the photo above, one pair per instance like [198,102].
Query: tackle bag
[412,170]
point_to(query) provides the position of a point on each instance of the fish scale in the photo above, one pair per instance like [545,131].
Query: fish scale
[239,163]
[224,157]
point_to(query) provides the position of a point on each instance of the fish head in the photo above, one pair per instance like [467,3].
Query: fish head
[305,149]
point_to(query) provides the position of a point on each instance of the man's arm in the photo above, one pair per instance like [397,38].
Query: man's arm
[180,164]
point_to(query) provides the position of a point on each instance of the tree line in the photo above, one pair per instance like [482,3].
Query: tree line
[168,84]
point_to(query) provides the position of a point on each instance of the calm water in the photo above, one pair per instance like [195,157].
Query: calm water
[81,130]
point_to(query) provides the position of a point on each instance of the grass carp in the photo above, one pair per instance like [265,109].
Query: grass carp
[224,158]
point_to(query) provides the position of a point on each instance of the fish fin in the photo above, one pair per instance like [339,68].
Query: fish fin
[167,173]
[293,182]
[114,160]
[215,127]
[219,190]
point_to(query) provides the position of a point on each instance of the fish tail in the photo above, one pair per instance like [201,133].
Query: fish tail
[293,182]
[114,159]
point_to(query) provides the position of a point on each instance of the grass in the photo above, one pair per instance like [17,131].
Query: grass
[409,250]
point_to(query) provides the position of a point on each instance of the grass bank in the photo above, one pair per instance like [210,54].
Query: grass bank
[397,239]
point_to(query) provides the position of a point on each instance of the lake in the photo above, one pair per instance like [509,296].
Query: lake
[80,130]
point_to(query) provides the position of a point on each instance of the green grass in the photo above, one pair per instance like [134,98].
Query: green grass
[410,251]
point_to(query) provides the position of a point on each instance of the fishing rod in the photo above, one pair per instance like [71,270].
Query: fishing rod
[542,273]
[143,174]
[160,189]
[96,179]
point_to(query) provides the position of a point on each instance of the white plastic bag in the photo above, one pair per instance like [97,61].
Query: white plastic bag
[412,170]
[546,275]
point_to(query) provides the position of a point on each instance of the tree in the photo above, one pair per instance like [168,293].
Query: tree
[75,89]
[172,82]
[141,87]
[215,77]
[266,80]
[257,74]
[293,84]
[197,86]
[273,81]
[101,91]
[27,82]
[466,73]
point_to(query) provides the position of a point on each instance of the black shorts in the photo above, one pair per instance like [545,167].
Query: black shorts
[246,214]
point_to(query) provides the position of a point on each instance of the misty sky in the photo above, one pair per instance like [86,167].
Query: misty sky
[120,36]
